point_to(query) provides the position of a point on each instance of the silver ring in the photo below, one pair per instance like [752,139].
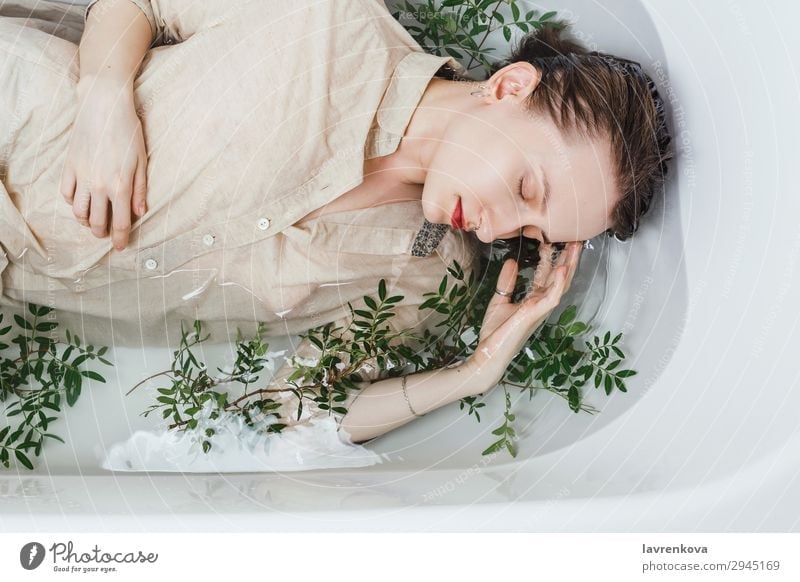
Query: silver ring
[503,293]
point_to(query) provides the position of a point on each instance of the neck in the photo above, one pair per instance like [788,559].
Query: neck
[409,164]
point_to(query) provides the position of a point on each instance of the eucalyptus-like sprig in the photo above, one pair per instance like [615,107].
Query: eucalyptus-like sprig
[460,28]
[34,382]
[193,391]
[368,340]
[550,360]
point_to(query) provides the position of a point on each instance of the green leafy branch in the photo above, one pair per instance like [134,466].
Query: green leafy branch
[192,390]
[35,381]
[367,340]
[550,359]
[460,28]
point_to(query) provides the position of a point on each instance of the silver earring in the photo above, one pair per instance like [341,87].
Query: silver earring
[480,93]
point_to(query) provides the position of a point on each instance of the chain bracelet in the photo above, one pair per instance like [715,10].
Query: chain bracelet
[405,394]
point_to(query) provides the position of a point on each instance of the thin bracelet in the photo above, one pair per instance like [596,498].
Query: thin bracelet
[407,400]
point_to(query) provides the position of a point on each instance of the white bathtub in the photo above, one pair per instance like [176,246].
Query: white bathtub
[706,439]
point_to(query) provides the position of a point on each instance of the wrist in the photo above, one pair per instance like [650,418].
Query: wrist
[466,379]
[480,379]
[105,85]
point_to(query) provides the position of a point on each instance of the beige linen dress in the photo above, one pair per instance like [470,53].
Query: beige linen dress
[254,115]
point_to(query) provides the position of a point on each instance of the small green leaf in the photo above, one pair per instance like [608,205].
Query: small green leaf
[22,458]
[574,398]
[493,448]
[576,328]
[568,315]
[93,375]
[46,326]
[382,289]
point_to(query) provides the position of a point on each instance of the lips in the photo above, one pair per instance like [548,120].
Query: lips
[457,219]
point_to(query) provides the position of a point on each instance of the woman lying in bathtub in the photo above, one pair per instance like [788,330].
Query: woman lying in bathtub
[235,162]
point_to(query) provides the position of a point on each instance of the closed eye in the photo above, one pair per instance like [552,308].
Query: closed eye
[545,198]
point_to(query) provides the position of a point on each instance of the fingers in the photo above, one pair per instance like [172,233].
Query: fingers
[140,188]
[121,220]
[81,204]
[121,210]
[575,249]
[545,265]
[67,185]
[506,282]
[532,313]
[98,214]
[539,308]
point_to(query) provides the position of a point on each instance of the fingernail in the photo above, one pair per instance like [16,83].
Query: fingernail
[141,208]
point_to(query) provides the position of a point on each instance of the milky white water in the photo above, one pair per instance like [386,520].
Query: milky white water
[237,447]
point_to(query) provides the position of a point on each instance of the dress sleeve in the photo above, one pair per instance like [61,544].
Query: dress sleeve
[173,21]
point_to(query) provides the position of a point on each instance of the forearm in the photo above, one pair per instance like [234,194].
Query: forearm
[381,407]
[115,39]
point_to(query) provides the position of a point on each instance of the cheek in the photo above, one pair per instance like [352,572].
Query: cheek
[471,164]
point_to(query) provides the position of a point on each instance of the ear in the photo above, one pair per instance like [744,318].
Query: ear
[515,81]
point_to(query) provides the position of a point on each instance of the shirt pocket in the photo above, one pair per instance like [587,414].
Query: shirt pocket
[362,239]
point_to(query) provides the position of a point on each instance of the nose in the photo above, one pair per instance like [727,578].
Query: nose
[528,231]
[497,226]
[534,232]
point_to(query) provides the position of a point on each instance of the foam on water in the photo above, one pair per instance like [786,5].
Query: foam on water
[240,448]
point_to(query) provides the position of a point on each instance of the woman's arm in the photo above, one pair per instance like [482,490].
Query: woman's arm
[506,328]
[107,160]
[174,21]
[381,407]
[115,39]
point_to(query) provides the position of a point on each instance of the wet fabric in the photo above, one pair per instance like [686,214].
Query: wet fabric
[253,117]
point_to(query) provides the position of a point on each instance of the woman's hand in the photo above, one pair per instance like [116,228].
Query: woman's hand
[106,160]
[507,326]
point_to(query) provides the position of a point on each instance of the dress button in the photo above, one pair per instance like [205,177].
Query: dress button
[208,240]
[263,223]
[150,264]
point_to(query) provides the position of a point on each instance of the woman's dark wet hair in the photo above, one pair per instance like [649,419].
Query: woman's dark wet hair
[594,94]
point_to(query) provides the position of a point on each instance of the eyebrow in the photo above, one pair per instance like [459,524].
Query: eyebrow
[546,190]
[545,197]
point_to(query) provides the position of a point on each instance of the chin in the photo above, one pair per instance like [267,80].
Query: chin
[433,214]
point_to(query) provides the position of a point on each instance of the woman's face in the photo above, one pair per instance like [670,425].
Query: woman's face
[494,144]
